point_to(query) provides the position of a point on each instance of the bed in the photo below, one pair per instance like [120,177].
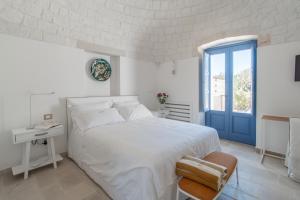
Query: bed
[135,160]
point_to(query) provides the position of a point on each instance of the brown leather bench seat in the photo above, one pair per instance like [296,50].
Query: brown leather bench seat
[201,191]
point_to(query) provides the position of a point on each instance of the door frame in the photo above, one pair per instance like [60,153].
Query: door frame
[228,50]
[222,133]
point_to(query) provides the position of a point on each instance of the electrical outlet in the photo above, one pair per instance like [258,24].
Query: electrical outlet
[48,116]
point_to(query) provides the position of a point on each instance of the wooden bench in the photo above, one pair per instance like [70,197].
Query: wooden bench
[198,191]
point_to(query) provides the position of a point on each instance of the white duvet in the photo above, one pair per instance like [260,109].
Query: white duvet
[135,160]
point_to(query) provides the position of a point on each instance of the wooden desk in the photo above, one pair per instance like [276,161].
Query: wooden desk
[263,133]
[275,118]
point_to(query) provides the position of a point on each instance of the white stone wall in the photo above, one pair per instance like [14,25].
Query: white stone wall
[150,29]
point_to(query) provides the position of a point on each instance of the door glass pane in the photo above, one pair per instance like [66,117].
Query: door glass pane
[217,82]
[242,81]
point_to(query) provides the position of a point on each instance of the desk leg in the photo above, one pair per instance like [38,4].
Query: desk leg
[53,152]
[26,160]
[263,148]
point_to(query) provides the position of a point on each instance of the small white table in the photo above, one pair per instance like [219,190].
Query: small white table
[25,136]
[264,134]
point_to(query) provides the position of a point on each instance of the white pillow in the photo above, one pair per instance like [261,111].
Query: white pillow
[133,112]
[90,119]
[126,110]
[140,112]
[126,103]
[91,106]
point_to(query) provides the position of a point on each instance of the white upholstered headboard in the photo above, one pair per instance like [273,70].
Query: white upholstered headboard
[83,100]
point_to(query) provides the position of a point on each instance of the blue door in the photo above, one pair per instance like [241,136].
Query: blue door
[231,87]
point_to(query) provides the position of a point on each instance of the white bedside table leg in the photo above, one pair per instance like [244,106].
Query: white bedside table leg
[24,154]
[53,152]
[27,159]
[49,149]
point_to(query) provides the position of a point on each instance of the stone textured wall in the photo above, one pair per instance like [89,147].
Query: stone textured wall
[156,30]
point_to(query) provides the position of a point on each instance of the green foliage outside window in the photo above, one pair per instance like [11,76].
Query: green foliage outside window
[242,91]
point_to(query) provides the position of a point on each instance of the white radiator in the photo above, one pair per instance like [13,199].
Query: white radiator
[179,111]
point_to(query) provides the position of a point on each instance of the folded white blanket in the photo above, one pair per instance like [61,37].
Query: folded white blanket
[220,168]
[200,173]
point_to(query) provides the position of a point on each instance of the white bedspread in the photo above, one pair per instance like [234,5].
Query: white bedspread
[135,160]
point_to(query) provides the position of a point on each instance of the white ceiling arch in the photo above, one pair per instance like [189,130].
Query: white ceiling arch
[226,41]
[156,30]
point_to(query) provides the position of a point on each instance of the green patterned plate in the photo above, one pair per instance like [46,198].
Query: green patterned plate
[100,69]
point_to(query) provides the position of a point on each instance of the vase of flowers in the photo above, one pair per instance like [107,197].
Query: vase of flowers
[162,97]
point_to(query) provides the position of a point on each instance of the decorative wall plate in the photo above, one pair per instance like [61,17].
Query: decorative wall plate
[100,69]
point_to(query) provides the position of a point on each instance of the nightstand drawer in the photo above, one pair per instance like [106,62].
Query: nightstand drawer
[37,134]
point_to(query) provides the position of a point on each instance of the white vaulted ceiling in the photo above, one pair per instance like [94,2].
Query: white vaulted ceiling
[156,30]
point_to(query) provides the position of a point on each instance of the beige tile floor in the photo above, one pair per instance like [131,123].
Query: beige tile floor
[268,181]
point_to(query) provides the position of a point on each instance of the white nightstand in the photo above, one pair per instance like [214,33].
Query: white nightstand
[25,136]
